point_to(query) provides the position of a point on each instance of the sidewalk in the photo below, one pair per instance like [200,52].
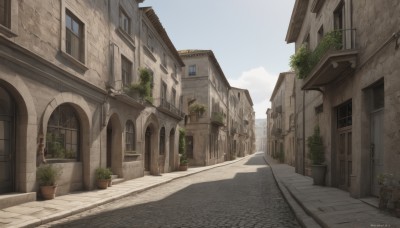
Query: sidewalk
[327,206]
[40,212]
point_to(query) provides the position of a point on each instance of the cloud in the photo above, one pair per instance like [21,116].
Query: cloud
[260,84]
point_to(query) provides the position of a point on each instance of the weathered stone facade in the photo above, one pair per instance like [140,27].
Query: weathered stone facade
[350,93]
[242,122]
[81,56]
[204,83]
[282,118]
[226,128]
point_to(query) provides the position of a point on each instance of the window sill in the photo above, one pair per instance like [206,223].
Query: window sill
[149,53]
[173,76]
[126,37]
[132,154]
[7,31]
[60,160]
[164,69]
[81,66]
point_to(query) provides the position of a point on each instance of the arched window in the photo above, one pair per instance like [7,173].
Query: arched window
[130,137]
[162,141]
[63,130]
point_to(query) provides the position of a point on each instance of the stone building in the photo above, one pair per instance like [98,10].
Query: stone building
[351,92]
[64,72]
[269,123]
[261,137]
[241,123]
[204,84]
[282,118]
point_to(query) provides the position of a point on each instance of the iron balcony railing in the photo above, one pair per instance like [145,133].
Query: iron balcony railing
[164,104]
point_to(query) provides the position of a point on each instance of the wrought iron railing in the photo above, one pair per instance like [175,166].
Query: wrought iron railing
[164,104]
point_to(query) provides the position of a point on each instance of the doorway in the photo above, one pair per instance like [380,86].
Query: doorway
[109,145]
[171,150]
[7,142]
[377,145]
[344,145]
[147,149]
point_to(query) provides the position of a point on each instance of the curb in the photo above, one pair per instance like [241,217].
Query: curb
[302,215]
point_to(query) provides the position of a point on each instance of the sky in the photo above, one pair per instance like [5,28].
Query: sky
[247,38]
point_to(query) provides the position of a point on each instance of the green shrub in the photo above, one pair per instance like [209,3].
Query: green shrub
[182,146]
[303,61]
[197,108]
[144,86]
[103,173]
[48,174]
[316,147]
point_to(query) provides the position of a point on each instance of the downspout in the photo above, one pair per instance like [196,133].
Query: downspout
[304,132]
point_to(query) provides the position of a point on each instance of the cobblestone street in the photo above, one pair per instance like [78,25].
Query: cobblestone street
[243,194]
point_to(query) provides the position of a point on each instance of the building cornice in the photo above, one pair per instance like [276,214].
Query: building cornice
[155,22]
[210,54]
[278,84]
[296,21]
[48,71]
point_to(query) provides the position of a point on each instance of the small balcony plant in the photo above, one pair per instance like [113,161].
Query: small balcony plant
[196,110]
[304,60]
[144,87]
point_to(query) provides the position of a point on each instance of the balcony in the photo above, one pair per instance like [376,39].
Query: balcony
[169,109]
[277,132]
[335,62]
[127,96]
[217,118]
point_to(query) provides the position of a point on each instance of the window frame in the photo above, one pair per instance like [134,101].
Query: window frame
[132,147]
[10,27]
[192,70]
[80,64]
[121,24]
[60,128]
[124,82]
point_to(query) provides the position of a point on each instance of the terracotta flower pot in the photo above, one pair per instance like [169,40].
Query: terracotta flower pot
[109,182]
[48,192]
[183,167]
[102,184]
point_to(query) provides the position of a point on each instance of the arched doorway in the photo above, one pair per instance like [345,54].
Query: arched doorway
[7,142]
[114,146]
[147,150]
[172,150]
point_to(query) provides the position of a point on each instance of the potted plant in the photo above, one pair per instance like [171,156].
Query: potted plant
[317,157]
[103,177]
[47,176]
[196,110]
[183,162]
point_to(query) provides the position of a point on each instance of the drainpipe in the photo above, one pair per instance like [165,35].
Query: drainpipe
[304,132]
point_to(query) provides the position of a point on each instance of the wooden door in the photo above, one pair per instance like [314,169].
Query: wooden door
[344,165]
[376,150]
[7,141]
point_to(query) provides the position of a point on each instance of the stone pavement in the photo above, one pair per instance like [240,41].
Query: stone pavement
[40,212]
[329,207]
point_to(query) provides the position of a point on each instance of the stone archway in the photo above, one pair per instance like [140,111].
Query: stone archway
[81,107]
[151,145]
[25,133]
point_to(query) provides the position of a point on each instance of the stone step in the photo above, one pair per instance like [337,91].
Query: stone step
[117,180]
[114,177]
[12,199]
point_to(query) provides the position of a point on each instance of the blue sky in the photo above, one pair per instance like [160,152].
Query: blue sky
[247,38]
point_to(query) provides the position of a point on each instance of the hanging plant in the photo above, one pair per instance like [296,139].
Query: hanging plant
[303,61]
[144,86]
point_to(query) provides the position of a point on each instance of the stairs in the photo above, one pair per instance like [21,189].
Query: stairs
[116,180]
